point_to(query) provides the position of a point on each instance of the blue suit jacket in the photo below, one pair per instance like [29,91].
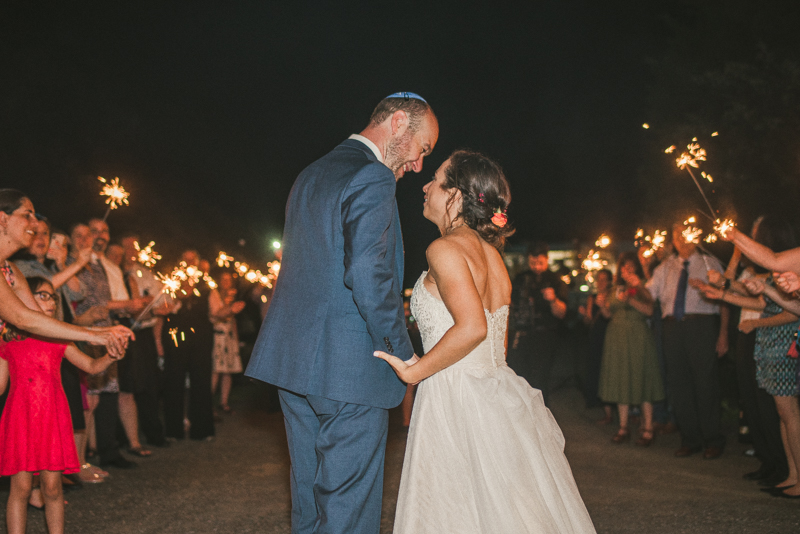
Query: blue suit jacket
[338,297]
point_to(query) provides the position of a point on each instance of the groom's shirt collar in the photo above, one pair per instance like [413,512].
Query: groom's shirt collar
[372,146]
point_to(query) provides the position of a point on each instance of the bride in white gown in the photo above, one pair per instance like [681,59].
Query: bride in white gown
[484,454]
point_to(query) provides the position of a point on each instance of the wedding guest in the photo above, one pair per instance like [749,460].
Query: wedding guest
[695,335]
[538,304]
[223,308]
[17,228]
[37,440]
[597,323]
[47,258]
[140,367]
[759,407]
[106,287]
[187,340]
[629,373]
[663,420]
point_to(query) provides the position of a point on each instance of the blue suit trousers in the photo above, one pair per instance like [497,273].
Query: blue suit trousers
[337,452]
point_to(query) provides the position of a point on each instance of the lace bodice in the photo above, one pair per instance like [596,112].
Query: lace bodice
[434,320]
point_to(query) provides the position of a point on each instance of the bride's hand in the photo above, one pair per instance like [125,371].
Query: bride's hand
[401,368]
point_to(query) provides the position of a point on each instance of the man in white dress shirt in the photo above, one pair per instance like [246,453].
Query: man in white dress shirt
[695,336]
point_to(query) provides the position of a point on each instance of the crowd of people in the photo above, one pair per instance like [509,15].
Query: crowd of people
[145,367]
[657,331]
[114,398]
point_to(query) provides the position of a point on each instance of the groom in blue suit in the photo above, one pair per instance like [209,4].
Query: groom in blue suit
[337,300]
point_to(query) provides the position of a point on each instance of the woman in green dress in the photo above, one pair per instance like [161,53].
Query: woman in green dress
[629,373]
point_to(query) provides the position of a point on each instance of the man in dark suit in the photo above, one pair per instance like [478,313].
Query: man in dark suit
[338,299]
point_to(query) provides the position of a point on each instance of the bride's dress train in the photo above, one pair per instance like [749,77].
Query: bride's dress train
[484,454]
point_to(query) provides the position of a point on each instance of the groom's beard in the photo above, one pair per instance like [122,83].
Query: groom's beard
[397,152]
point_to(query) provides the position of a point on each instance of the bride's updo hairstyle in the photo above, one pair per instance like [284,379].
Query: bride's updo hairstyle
[484,195]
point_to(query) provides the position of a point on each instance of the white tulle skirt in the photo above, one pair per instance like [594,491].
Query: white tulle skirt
[485,455]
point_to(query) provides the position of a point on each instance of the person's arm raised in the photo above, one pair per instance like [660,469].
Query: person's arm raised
[788,260]
[450,271]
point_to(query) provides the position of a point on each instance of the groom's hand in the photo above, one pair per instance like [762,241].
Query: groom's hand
[401,368]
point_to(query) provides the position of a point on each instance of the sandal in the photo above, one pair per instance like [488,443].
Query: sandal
[621,436]
[89,474]
[646,439]
[140,451]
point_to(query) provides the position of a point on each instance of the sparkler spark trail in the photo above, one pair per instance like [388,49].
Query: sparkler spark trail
[173,332]
[116,194]
[690,159]
[146,256]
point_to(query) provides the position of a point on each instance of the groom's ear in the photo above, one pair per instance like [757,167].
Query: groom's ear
[399,122]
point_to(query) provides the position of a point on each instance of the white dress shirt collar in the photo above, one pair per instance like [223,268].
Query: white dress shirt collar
[372,146]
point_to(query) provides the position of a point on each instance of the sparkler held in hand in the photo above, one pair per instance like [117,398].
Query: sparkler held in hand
[116,194]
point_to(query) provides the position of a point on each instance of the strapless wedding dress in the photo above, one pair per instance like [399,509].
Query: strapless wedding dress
[484,454]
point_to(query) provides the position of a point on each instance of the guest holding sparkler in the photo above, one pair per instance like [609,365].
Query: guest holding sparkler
[106,287]
[47,258]
[629,372]
[140,367]
[768,387]
[187,341]
[223,308]
[597,323]
[18,225]
[695,335]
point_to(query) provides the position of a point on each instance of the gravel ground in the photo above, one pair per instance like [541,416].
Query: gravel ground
[239,482]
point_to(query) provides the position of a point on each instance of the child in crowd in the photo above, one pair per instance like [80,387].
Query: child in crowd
[36,427]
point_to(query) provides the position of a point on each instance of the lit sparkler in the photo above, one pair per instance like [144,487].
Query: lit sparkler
[691,234]
[656,241]
[116,194]
[721,228]
[170,284]
[690,158]
[603,241]
[223,260]
[593,261]
[146,256]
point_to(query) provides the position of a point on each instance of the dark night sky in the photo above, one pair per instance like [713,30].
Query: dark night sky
[208,110]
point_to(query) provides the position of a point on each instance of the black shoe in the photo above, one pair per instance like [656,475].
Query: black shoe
[772,480]
[773,490]
[119,462]
[759,474]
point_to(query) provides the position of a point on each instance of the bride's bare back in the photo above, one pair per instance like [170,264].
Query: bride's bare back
[487,271]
